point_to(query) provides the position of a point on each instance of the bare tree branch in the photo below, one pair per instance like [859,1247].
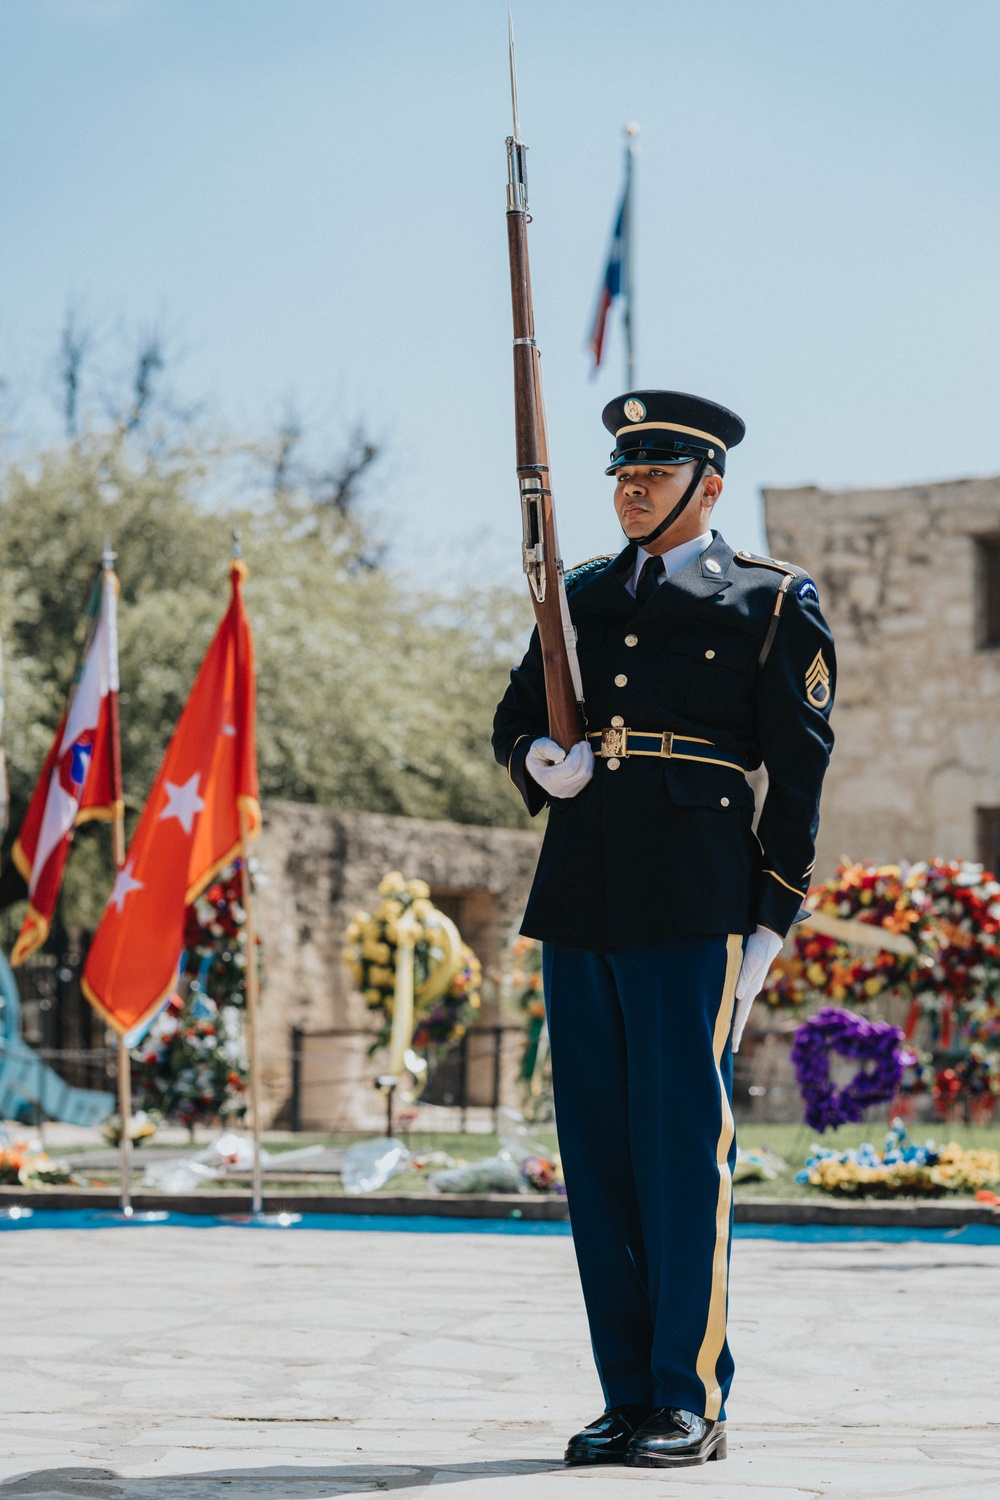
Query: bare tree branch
[289,436]
[73,348]
[149,364]
[338,488]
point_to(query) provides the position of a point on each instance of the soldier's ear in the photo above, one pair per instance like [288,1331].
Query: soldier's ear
[711,488]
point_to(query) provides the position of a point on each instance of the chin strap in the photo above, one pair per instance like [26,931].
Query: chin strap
[698,474]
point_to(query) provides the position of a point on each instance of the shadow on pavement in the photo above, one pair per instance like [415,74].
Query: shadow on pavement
[295,1481]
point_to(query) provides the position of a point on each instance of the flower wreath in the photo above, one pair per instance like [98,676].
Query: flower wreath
[950,912]
[838,1031]
[447,974]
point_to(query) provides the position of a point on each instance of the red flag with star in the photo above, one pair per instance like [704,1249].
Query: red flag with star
[188,831]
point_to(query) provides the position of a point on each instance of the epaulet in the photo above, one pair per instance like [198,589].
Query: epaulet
[585,569]
[771,562]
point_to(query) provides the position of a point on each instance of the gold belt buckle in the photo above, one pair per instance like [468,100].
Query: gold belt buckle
[667,747]
[614,743]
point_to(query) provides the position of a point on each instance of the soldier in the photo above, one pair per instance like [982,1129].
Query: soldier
[659,907]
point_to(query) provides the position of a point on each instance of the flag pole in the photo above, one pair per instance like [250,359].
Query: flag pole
[118,859]
[253,997]
[252,986]
[631,131]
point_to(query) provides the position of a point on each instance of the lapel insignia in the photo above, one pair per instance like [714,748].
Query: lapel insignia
[818,682]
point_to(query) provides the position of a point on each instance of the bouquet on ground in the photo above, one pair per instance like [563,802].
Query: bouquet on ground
[23,1164]
[521,1165]
[902,1169]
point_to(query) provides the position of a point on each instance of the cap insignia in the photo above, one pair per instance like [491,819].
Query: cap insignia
[634,410]
[818,682]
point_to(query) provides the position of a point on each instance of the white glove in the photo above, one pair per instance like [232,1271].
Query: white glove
[762,949]
[560,774]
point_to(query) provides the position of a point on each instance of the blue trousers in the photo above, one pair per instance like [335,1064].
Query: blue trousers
[642,1077]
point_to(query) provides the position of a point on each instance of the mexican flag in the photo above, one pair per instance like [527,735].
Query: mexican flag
[81,777]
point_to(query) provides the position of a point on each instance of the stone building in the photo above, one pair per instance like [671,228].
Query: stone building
[909,579]
[322,866]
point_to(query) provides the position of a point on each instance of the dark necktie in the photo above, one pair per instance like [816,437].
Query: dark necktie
[649,579]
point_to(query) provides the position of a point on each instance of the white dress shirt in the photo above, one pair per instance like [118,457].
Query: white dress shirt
[674,558]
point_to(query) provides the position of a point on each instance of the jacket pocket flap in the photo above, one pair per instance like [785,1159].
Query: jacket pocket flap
[719,648]
[694,785]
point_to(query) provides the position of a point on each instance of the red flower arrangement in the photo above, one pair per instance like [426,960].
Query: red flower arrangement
[192,1064]
[950,910]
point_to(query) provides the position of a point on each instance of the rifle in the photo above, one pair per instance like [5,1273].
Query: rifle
[540,548]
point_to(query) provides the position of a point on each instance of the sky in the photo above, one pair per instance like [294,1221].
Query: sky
[307,198]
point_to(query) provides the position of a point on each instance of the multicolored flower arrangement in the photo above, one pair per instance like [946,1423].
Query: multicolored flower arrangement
[902,1169]
[20,1166]
[522,990]
[869,1042]
[192,1064]
[447,974]
[950,912]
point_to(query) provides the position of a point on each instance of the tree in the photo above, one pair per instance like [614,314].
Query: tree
[371,696]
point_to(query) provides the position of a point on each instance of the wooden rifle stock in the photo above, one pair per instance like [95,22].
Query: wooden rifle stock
[542,562]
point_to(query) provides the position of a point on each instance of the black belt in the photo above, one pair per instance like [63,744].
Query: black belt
[621,743]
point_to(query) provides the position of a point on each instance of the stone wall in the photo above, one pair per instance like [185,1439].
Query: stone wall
[320,867]
[917,715]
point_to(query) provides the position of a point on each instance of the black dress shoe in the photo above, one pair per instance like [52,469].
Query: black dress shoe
[670,1438]
[605,1441]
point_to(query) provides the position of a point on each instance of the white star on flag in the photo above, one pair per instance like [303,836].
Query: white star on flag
[183,802]
[124,886]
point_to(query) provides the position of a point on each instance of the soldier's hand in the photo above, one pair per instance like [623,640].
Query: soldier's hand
[761,951]
[560,773]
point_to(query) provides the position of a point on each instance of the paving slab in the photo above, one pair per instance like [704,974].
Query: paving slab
[171,1363]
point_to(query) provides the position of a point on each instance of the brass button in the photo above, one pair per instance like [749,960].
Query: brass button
[631,640]
[617,722]
[724,801]
[709,655]
[621,680]
[614,763]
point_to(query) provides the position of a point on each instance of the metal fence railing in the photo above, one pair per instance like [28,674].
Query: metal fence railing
[469,1074]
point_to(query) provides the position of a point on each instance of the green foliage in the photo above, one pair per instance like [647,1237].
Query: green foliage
[371,696]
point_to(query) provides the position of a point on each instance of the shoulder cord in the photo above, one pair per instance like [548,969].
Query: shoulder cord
[773,626]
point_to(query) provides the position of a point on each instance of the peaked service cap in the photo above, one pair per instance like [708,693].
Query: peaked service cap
[670,427]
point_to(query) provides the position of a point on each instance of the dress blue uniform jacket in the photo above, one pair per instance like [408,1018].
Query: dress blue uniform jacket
[734,650]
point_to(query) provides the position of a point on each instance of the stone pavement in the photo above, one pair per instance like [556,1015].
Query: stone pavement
[151,1363]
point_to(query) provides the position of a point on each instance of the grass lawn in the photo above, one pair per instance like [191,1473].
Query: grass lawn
[791,1142]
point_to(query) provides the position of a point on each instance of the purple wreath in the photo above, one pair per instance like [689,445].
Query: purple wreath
[874,1042]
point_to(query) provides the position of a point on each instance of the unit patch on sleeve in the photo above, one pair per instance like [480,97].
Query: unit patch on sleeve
[818,682]
[808,590]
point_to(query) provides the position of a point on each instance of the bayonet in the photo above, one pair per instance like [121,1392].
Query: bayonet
[517,180]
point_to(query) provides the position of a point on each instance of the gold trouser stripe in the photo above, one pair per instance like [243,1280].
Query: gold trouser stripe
[794,889]
[715,1328]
